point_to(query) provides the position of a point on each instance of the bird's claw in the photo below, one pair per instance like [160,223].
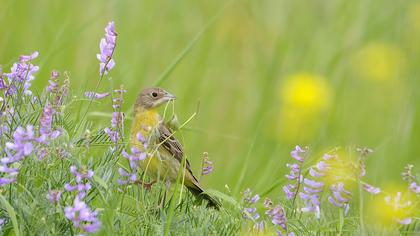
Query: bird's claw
[147,186]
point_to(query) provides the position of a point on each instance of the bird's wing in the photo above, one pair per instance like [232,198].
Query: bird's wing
[171,144]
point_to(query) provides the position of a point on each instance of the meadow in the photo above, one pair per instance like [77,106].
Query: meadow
[307,112]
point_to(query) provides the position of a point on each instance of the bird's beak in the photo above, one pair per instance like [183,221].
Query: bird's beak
[169,97]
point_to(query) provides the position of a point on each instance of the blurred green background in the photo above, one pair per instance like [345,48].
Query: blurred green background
[269,74]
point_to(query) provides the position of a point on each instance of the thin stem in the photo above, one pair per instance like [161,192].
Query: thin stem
[297,188]
[96,89]
[341,222]
[361,220]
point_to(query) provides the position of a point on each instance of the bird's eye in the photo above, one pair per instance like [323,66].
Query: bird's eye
[154,94]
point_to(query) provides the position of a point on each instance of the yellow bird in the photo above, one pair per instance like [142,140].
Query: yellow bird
[166,161]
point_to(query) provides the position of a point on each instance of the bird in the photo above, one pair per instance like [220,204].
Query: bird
[166,161]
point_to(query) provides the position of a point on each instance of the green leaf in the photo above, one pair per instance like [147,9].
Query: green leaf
[12,214]
[100,181]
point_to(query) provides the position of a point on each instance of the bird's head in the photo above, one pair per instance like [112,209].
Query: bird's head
[151,98]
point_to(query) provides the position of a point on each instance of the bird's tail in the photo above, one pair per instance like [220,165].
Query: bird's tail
[198,192]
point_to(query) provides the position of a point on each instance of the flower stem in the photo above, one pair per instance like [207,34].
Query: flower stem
[95,91]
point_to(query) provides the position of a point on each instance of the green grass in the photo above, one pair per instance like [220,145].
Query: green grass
[234,63]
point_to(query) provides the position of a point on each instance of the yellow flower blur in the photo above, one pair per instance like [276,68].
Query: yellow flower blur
[341,169]
[414,18]
[303,98]
[378,61]
[394,209]
[306,91]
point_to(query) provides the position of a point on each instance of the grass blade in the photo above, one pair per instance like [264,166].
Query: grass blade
[12,214]
[190,45]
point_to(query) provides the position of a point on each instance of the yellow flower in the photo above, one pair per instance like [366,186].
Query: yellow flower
[303,98]
[378,61]
[394,209]
[341,168]
[306,92]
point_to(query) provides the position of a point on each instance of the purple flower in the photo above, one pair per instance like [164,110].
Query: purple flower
[322,165]
[312,190]
[247,197]
[54,196]
[130,177]
[22,73]
[340,197]
[53,86]
[414,187]
[405,221]
[82,217]
[207,165]
[46,120]
[255,198]
[80,214]
[117,121]
[277,216]
[207,170]
[80,188]
[315,173]
[295,173]
[93,95]
[2,82]
[5,181]
[296,154]
[409,177]
[311,196]
[27,58]
[85,174]
[10,171]
[312,183]
[137,155]
[82,185]
[370,189]
[249,211]
[290,191]
[57,93]
[107,47]
[22,145]
[113,135]
[46,134]
[312,208]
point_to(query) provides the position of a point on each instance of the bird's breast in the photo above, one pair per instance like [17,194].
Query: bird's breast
[144,122]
